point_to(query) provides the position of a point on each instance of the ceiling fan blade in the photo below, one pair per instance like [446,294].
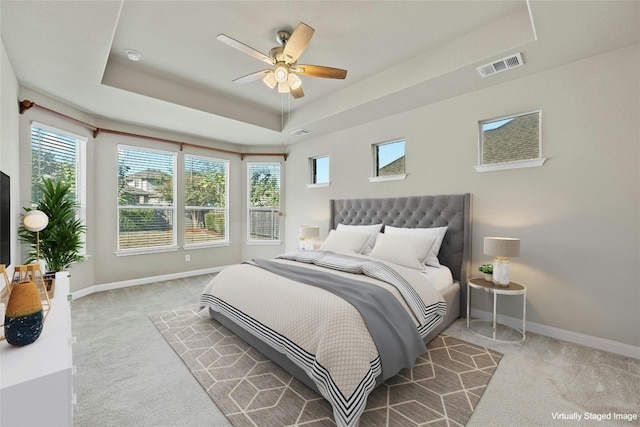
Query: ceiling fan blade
[244,48]
[252,77]
[320,71]
[297,93]
[297,43]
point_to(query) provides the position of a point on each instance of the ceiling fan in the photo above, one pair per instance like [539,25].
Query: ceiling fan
[284,59]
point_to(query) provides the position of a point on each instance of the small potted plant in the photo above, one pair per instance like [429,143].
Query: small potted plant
[487,269]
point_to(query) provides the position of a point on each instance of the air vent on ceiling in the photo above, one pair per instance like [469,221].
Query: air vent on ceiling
[503,64]
[300,132]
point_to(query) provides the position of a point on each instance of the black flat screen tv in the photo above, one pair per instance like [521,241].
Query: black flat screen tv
[5,219]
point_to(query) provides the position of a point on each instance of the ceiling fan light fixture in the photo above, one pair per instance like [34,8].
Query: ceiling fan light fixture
[281,73]
[270,80]
[283,87]
[294,81]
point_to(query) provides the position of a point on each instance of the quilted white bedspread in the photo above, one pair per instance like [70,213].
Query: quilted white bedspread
[321,333]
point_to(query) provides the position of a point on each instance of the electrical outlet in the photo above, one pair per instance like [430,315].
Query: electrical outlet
[187,257]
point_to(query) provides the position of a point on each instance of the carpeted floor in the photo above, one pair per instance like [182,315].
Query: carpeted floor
[442,389]
[127,375]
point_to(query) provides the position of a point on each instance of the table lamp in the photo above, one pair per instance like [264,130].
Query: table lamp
[307,234]
[502,248]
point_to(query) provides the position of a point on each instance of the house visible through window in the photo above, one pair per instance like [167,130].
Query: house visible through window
[146,208]
[389,158]
[61,157]
[206,200]
[319,170]
[264,201]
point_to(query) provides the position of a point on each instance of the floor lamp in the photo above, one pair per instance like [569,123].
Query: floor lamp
[36,221]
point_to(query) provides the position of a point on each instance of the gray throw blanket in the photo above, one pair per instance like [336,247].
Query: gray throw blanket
[392,329]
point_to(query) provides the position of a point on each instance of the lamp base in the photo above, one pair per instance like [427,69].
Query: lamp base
[501,273]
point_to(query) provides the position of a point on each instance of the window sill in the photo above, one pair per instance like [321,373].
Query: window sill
[263,242]
[399,177]
[511,165]
[190,246]
[323,185]
[144,251]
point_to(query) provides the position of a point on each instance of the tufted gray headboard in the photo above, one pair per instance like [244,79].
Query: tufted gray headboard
[452,210]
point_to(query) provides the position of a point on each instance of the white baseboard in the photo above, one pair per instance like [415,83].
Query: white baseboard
[142,281]
[563,334]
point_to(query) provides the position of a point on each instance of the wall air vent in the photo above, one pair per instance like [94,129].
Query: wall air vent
[301,132]
[503,64]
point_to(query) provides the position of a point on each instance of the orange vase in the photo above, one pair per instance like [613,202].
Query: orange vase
[23,318]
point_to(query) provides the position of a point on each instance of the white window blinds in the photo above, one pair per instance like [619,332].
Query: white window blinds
[264,201]
[206,200]
[146,199]
[62,157]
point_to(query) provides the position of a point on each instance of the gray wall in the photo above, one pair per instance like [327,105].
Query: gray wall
[578,215]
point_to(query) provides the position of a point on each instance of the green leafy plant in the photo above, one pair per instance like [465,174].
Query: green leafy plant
[61,240]
[486,268]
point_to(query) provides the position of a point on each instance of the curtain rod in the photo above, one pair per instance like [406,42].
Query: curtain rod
[26,105]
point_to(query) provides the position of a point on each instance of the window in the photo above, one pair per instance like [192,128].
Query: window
[510,142]
[319,167]
[146,209]
[206,200]
[264,201]
[388,161]
[60,156]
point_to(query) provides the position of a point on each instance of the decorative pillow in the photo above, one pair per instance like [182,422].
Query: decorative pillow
[403,249]
[439,232]
[345,242]
[373,231]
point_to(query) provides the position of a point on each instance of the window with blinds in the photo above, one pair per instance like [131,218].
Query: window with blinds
[264,201]
[206,200]
[146,195]
[62,157]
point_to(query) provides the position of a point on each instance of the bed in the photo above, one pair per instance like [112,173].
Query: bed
[305,311]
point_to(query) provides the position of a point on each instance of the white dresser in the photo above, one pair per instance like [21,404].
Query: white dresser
[36,380]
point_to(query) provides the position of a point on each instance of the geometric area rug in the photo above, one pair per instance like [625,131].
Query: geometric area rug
[442,389]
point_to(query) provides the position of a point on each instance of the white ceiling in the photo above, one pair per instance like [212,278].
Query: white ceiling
[399,55]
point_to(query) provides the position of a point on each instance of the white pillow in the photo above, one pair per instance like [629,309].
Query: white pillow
[439,232]
[345,242]
[373,230]
[403,249]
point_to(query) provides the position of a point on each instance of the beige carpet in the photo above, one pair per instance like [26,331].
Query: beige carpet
[442,389]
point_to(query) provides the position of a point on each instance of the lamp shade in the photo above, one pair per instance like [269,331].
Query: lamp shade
[309,231]
[270,80]
[294,81]
[35,220]
[502,246]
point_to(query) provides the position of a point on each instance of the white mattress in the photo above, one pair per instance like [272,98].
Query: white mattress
[440,277]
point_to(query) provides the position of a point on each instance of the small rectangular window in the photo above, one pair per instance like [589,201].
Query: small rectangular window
[146,199]
[319,170]
[389,158]
[264,202]
[206,200]
[510,142]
